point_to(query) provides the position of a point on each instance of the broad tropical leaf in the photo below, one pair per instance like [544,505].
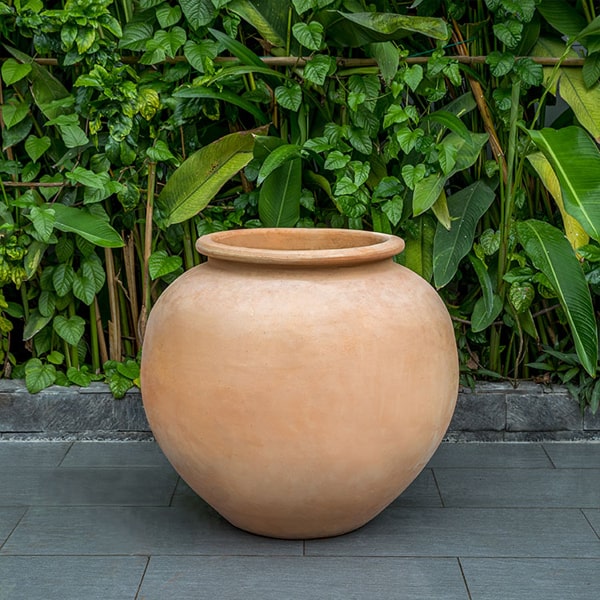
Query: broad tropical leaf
[89,226]
[199,178]
[450,247]
[418,252]
[552,254]
[358,29]
[562,16]
[574,231]
[266,16]
[575,159]
[571,87]
[489,306]
[278,157]
[280,192]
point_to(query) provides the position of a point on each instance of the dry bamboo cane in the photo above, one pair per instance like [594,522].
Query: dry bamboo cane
[129,262]
[146,283]
[114,323]
[484,110]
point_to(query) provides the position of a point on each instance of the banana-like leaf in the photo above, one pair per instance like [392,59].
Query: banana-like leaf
[562,16]
[89,226]
[418,252]
[269,18]
[387,57]
[466,207]
[440,210]
[280,192]
[199,178]
[552,254]
[574,231]
[236,48]
[359,29]
[489,306]
[277,158]
[571,87]
[575,159]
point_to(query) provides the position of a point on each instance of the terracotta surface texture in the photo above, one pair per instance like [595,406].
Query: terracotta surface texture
[300,379]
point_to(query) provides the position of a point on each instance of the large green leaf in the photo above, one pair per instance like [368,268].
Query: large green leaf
[570,85]
[552,254]
[466,207]
[280,192]
[573,230]
[489,306]
[575,159]
[359,29]
[70,329]
[241,52]
[198,12]
[89,226]
[562,16]
[38,376]
[277,158]
[46,88]
[35,323]
[199,178]
[269,18]
[428,190]
[418,252]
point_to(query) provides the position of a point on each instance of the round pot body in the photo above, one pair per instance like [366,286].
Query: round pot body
[300,379]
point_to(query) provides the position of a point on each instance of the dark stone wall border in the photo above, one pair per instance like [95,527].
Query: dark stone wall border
[490,412]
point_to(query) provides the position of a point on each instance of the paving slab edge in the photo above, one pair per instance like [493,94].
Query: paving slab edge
[489,412]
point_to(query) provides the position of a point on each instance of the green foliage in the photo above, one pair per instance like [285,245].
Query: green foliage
[139,126]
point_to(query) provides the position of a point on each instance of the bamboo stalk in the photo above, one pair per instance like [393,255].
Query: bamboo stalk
[94,349]
[129,262]
[146,283]
[114,323]
[101,340]
[484,110]
[300,61]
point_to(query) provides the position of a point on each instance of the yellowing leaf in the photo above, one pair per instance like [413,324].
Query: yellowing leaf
[573,230]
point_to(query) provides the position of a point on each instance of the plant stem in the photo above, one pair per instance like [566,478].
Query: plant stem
[73,348]
[130,276]
[94,349]
[100,333]
[146,284]
[114,323]
[125,330]
[188,246]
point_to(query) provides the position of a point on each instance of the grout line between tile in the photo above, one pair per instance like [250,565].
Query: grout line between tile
[549,457]
[590,523]
[437,487]
[464,578]
[62,460]
[139,589]
[14,528]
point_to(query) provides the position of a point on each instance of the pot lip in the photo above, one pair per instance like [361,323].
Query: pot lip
[300,246]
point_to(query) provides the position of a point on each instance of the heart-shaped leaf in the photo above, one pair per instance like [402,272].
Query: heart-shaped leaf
[69,329]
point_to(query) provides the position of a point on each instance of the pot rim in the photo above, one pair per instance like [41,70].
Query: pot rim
[300,246]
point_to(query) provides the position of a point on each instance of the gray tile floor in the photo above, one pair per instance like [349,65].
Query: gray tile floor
[112,520]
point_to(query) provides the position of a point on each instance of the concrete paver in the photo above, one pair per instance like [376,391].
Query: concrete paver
[104,520]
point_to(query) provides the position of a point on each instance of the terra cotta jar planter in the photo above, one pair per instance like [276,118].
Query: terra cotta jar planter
[300,379]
